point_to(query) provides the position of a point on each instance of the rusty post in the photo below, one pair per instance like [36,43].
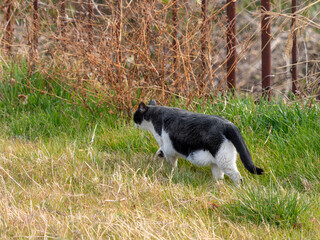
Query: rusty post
[146,13]
[118,37]
[294,48]
[63,18]
[90,23]
[203,42]
[35,33]
[175,38]
[231,46]
[78,14]
[266,49]
[8,27]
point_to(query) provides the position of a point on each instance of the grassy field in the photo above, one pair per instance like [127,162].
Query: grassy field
[82,172]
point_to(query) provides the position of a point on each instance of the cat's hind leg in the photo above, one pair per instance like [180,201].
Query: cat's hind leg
[232,172]
[217,173]
[226,160]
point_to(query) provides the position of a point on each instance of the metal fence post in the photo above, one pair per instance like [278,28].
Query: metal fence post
[90,23]
[62,18]
[203,41]
[294,48]
[266,48]
[231,45]
[8,27]
[33,54]
[175,38]
[118,38]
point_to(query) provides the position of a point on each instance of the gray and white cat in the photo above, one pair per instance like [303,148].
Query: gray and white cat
[204,140]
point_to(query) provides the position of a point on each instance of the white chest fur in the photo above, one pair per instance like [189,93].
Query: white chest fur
[147,125]
[167,147]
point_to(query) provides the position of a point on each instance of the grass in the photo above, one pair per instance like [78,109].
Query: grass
[73,171]
[273,205]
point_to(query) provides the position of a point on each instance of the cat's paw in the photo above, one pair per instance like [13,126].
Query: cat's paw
[159,153]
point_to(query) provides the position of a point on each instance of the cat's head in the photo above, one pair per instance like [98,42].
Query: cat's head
[138,116]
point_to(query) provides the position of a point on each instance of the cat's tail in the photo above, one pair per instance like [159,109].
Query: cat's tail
[233,134]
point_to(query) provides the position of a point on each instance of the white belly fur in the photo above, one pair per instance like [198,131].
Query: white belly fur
[201,158]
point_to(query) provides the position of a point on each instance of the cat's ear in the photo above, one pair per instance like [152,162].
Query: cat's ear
[152,102]
[142,107]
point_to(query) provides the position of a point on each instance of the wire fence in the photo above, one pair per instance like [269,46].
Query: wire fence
[128,49]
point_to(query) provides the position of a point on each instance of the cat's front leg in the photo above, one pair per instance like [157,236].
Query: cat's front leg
[172,160]
[160,153]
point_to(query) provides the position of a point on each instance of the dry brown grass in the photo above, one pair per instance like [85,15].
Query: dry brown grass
[49,190]
[125,52]
[49,195]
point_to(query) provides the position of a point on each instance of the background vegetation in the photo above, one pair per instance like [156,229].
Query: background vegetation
[122,50]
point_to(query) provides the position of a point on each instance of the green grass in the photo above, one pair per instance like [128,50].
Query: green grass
[271,204]
[74,171]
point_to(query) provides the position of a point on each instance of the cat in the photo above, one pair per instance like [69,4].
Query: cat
[204,140]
